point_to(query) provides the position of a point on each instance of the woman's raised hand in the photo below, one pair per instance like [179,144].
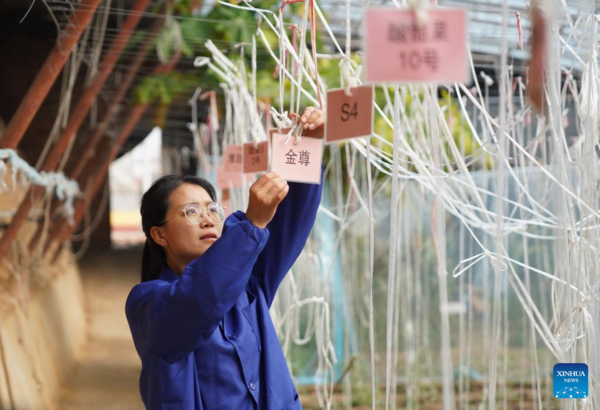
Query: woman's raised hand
[265,195]
[313,121]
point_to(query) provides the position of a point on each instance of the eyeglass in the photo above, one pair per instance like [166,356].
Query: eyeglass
[194,213]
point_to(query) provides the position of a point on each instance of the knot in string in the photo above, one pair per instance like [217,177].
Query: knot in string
[350,74]
[419,7]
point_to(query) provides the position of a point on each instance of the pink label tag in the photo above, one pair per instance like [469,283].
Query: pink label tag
[349,117]
[397,50]
[297,162]
[229,179]
[256,157]
[232,159]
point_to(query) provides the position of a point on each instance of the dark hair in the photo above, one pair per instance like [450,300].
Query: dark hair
[154,207]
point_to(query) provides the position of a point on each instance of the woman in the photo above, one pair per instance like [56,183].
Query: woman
[200,318]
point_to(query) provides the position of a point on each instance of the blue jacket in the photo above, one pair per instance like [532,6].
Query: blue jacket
[205,338]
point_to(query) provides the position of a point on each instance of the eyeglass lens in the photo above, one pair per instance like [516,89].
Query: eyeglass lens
[194,213]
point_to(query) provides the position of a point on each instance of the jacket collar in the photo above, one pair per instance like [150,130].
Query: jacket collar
[167,274]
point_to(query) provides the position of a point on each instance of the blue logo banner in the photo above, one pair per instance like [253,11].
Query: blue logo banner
[571,381]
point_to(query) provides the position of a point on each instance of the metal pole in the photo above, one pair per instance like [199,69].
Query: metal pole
[134,67]
[79,114]
[101,128]
[160,69]
[48,73]
[104,69]
[62,230]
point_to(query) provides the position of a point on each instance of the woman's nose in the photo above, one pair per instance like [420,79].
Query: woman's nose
[206,221]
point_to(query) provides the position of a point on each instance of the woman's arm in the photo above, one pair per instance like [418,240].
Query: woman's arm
[171,317]
[288,231]
[295,217]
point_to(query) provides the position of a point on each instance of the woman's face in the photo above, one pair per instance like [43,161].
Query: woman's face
[183,241]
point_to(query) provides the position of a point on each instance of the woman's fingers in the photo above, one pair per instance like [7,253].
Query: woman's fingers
[266,185]
[306,116]
[275,187]
[264,179]
[265,196]
[315,120]
[307,113]
[310,115]
[312,121]
[282,194]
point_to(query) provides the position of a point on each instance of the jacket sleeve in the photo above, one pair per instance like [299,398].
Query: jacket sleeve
[171,317]
[288,230]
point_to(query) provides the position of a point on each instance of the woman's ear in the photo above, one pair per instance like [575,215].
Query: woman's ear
[157,236]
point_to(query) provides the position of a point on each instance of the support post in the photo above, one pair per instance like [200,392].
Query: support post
[48,73]
[92,144]
[134,67]
[77,117]
[61,230]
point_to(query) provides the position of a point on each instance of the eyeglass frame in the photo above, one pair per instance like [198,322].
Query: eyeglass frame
[200,207]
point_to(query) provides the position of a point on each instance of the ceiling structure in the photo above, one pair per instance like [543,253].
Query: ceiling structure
[485,30]
[35,25]
[39,19]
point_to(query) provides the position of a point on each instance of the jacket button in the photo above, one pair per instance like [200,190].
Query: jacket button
[232,336]
[252,386]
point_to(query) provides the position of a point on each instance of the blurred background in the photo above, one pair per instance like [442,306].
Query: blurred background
[109,94]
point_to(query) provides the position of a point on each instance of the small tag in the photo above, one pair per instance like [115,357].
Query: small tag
[256,157]
[297,162]
[229,179]
[232,159]
[398,50]
[349,117]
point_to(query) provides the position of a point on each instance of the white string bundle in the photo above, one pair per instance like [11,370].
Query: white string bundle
[65,189]
[519,194]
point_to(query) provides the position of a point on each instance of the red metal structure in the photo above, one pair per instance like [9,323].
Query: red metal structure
[82,108]
[134,67]
[48,73]
[96,172]
[92,143]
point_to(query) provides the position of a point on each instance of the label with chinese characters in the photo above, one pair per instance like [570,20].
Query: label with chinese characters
[256,157]
[232,159]
[297,162]
[398,50]
[349,116]
[229,179]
